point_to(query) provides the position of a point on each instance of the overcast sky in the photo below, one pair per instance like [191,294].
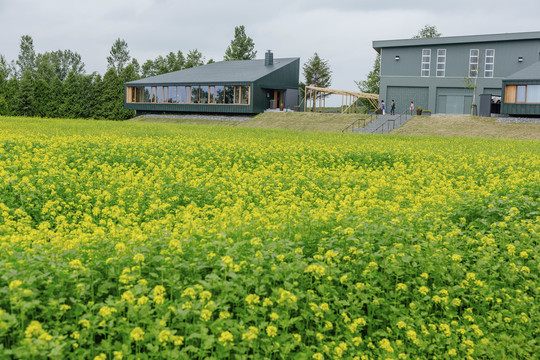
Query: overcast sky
[340,31]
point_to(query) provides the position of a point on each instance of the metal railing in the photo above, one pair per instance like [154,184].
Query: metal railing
[354,125]
[381,127]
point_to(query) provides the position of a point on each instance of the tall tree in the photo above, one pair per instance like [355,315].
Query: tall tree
[241,47]
[26,60]
[372,82]
[25,98]
[118,56]
[428,31]
[317,73]
[194,58]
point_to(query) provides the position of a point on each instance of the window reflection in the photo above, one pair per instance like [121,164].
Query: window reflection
[197,94]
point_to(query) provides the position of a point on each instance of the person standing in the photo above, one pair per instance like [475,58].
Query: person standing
[393,108]
[412,107]
[383,105]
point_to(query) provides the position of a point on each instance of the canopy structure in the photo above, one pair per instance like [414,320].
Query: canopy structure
[349,99]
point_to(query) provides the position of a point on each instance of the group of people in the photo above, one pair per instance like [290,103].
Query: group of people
[393,107]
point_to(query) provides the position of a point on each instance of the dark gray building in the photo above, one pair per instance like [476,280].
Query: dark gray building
[232,87]
[448,74]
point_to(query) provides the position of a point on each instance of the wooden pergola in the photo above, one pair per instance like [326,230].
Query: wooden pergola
[349,99]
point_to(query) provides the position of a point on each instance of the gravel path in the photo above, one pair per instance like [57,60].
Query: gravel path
[518,120]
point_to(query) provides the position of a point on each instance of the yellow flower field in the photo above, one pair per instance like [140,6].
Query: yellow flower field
[146,241]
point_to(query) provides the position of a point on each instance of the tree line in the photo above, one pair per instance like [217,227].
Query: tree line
[56,85]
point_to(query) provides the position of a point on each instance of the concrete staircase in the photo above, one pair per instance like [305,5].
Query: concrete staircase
[383,124]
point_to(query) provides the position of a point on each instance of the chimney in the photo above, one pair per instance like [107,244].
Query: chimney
[268,58]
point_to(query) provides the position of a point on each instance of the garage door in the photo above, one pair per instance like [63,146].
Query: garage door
[404,95]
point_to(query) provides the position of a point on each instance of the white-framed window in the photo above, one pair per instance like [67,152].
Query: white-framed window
[441,62]
[473,62]
[426,61]
[490,63]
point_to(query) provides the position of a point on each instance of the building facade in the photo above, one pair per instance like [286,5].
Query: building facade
[225,87]
[447,75]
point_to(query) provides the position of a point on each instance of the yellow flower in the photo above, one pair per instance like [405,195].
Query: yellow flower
[15,284]
[101,356]
[401,325]
[318,356]
[251,334]
[84,323]
[385,345]
[423,290]
[271,331]
[452,352]
[106,311]
[138,258]
[401,287]
[297,337]
[226,338]
[206,315]
[224,315]
[165,336]
[274,316]
[137,334]
[118,355]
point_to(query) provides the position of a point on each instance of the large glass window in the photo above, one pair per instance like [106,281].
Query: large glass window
[203,94]
[194,94]
[159,94]
[211,94]
[533,93]
[147,94]
[490,63]
[229,95]
[426,61]
[521,91]
[244,97]
[220,94]
[473,62]
[441,62]
[181,94]
[172,94]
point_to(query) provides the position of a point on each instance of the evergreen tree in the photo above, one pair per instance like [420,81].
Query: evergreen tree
[11,95]
[96,92]
[42,98]
[317,73]
[111,99]
[136,67]
[56,98]
[241,47]
[26,60]
[372,82]
[148,69]
[194,58]
[118,56]
[74,100]
[25,99]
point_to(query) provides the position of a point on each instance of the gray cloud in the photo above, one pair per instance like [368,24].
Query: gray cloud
[341,31]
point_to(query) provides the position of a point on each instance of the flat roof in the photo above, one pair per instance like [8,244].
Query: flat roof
[231,72]
[379,44]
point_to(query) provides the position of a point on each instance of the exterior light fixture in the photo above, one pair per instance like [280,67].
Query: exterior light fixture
[520,59]
[397,57]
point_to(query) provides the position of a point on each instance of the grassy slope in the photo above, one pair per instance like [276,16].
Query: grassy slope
[419,125]
[468,126]
[286,120]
